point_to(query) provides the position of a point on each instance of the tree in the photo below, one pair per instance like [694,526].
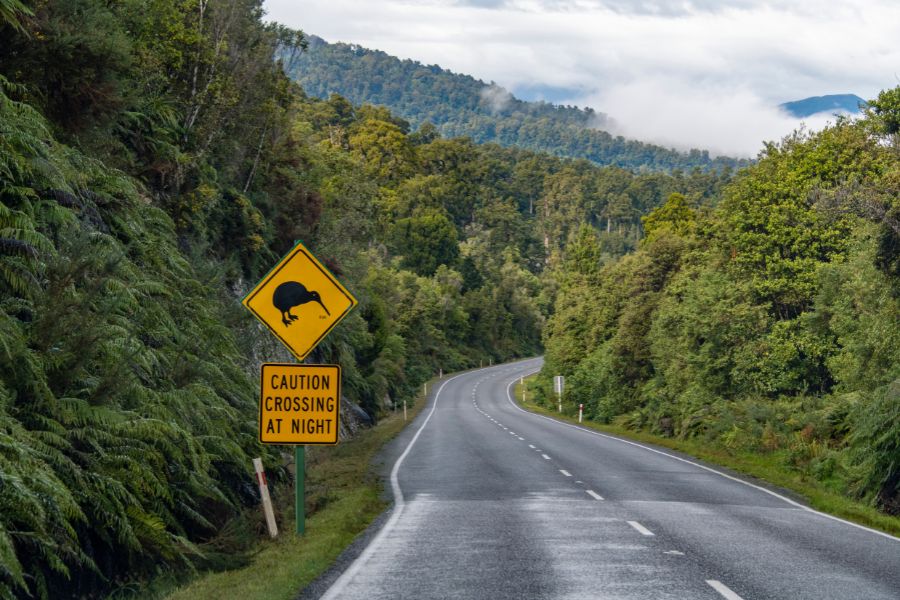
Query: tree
[425,242]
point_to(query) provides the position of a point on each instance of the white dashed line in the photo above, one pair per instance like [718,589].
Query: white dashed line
[699,466]
[531,446]
[640,528]
[522,439]
[594,495]
[545,456]
[564,472]
[723,589]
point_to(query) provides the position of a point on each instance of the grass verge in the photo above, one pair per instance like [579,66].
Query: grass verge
[766,467]
[340,480]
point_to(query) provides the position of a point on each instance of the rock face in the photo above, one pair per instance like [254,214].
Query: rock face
[353,418]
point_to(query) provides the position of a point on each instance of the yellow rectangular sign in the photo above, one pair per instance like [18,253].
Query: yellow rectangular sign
[299,404]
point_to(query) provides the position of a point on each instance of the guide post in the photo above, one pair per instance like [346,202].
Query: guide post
[558,383]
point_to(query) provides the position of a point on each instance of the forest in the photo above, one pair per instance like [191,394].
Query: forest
[155,161]
[768,323]
[459,105]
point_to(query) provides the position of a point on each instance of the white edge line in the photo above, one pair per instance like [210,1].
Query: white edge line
[723,589]
[640,528]
[341,582]
[699,466]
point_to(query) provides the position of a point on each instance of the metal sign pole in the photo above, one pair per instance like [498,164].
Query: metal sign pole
[299,488]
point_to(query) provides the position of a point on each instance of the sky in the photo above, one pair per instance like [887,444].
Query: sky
[687,73]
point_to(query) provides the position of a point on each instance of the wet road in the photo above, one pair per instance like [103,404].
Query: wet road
[495,502]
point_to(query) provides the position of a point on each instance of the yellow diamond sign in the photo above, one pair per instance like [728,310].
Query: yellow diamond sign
[299,301]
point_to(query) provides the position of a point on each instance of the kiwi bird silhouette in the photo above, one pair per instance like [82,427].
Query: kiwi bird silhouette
[290,294]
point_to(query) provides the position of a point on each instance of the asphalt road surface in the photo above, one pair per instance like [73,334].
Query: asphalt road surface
[495,502]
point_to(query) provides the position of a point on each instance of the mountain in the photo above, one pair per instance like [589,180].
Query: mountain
[831,103]
[460,105]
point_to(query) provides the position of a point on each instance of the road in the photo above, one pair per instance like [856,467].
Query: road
[495,502]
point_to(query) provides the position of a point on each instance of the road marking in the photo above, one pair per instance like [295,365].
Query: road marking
[564,472]
[531,445]
[699,466]
[521,438]
[337,588]
[674,552]
[723,589]
[545,456]
[640,528]
[594,495]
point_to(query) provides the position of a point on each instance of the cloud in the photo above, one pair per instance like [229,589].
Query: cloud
[496,97]
[706,62]
[733,122]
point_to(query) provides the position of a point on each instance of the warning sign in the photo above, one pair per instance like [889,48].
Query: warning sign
[299,404]
[299,301]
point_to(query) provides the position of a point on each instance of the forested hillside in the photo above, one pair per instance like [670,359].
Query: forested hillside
[768,324]
[155,161]
[459,105]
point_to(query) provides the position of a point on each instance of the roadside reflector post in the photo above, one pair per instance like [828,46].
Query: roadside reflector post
[264,494]
[300,488]
[441,373]
[404,409]
[425,389]
[558,383]
[580,411]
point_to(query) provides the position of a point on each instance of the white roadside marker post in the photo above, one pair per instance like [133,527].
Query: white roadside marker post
[580,411]
[441,373]
[558,383]
[404,409]
[264,494]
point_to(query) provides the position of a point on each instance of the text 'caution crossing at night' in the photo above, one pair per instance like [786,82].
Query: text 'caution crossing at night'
[299,404]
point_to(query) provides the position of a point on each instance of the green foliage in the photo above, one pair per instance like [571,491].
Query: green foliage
[12,13]
[767,324]
[425,242]
[155,160]
[674,216]
[458,105]
[121,444]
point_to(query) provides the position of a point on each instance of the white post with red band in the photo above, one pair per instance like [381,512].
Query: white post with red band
[266,500]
